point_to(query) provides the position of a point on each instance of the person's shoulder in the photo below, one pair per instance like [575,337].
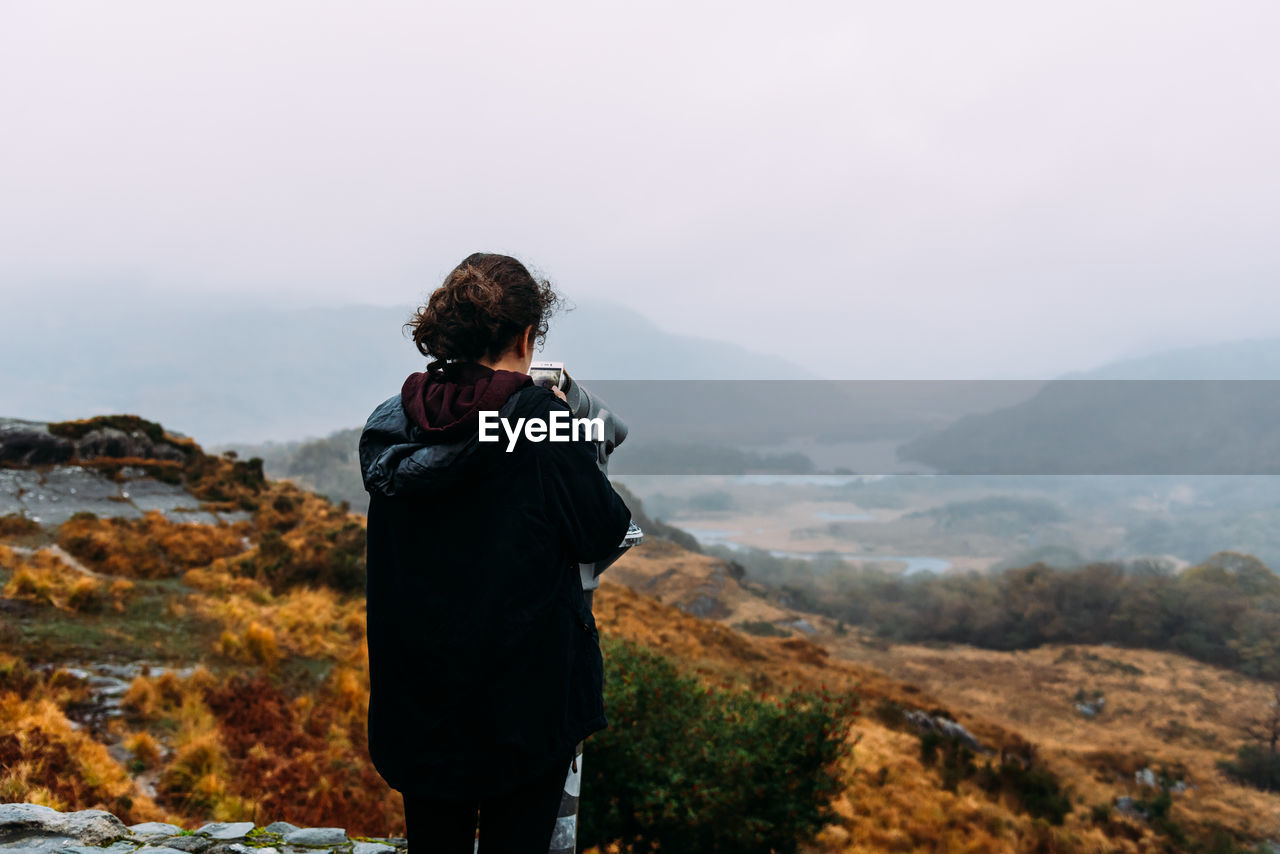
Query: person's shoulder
[386,415]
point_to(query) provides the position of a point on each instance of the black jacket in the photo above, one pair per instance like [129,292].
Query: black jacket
[484,659]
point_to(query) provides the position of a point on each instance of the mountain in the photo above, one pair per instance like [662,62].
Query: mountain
[246,370]
[1199,410]
[1251,359]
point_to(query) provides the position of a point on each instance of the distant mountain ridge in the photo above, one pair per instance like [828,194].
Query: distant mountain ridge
[1248,359]
[250,371]
[1198,410]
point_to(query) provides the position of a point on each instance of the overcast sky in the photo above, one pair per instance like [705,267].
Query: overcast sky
[879,190]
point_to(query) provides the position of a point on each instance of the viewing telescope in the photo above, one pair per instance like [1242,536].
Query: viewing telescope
[583,404]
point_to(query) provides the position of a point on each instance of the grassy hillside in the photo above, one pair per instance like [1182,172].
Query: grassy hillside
[239,655]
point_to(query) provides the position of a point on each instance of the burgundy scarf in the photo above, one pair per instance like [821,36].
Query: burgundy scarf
[447,404]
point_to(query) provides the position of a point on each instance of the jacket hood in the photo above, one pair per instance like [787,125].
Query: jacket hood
[447,404]
[399,456]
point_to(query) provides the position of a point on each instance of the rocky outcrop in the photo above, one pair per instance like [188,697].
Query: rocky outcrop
[925,722]
[38,443]
[46,474]
[31,443]
[35,829]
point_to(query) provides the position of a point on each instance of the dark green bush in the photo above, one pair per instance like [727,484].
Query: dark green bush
[684,767]
[1256,766]
[954,758]
[1035,787]
[336,560]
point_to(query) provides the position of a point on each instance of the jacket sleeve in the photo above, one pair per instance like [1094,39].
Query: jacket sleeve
[593,517]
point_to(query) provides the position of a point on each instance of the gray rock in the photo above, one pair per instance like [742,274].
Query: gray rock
[372,848]
[943,726]
[159,849]
[121,847]
[39,845]
[116,443]
[171,499]
[317,837]
[190,844]
[225,829]
[281,827]
[31,443]
[240,848]
[1091,708]
[89,827]
[704,606]
[53,496]
[155,828]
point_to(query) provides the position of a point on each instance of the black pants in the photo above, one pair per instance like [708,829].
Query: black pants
[520,822]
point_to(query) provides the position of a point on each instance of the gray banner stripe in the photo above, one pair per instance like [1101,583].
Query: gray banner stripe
[1056,427]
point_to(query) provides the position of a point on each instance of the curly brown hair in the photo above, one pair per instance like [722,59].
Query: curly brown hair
[482,306]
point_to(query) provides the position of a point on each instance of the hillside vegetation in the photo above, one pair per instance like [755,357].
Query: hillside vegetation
[253,698]
[1223,611]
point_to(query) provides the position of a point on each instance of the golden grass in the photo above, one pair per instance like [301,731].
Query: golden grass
[145,748]
[156,697]
[44,578]
[255,644]
[675,576]
[261,626]
[243,748]
[1162,710]
[44,759]
[199,779]
[150,547]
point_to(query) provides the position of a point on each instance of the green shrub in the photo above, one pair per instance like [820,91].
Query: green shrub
[953,756]
[686,767]
[1035,787]
[1256,766]
[334,558]
[1037,790]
